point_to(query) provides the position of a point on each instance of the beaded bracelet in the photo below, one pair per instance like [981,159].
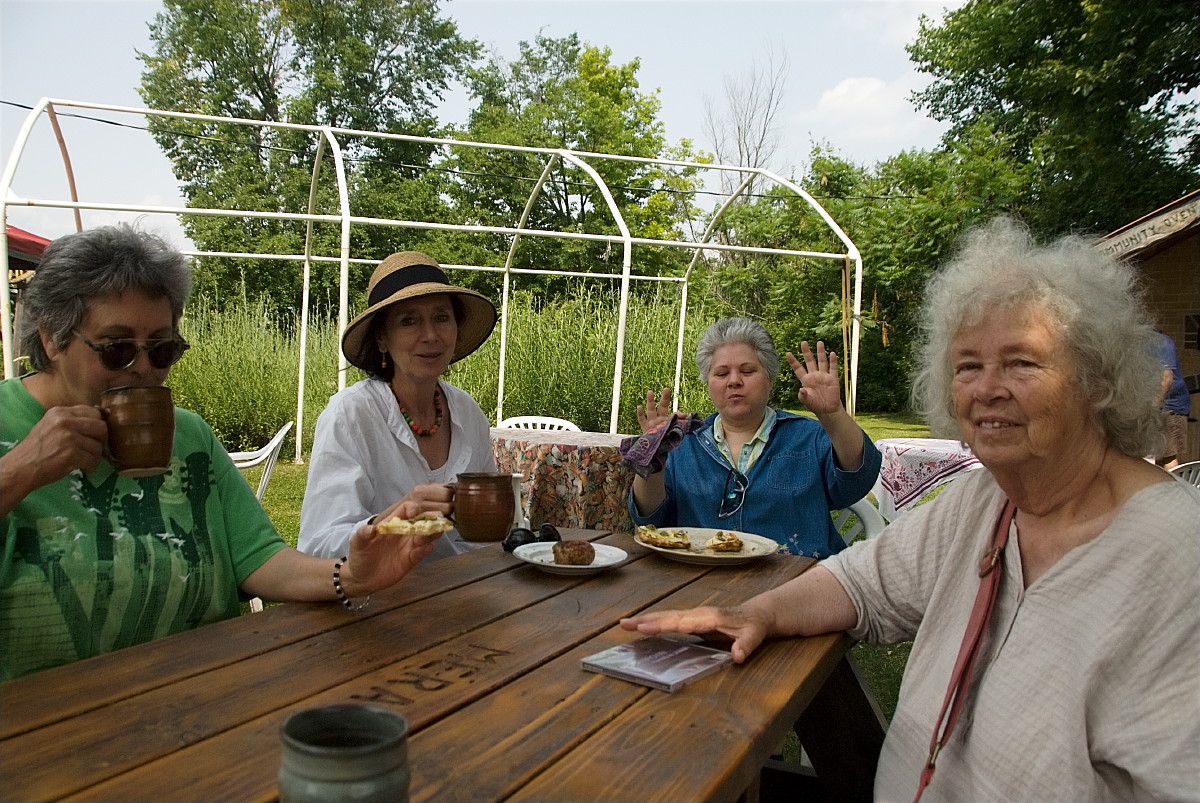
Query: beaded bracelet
[337,587]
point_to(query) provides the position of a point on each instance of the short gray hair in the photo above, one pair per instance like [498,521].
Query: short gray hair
[1093,301]
[737,330]
[105,261]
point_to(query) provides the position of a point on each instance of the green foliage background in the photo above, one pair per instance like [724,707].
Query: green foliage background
[242,370]
[561,355]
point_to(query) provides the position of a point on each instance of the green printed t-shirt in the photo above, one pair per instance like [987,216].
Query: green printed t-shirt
[96,562]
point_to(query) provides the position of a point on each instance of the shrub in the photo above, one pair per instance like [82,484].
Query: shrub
[241,372]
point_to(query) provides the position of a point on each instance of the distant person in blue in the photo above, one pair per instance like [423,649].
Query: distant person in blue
[750,467]
[1176,403]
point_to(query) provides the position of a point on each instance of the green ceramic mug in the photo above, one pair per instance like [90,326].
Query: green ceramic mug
[344,752]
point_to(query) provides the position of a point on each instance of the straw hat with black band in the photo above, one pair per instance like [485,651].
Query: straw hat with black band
[411,274]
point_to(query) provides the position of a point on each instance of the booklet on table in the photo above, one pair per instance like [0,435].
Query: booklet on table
[659,662]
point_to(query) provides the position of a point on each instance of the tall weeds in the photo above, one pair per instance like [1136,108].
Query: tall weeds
[561,356]
[241,372]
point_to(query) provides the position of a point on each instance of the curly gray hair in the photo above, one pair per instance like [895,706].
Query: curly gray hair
[737,330]
[1093,301]
[95,263]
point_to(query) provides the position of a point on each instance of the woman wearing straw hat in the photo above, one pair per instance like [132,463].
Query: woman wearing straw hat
[402,433]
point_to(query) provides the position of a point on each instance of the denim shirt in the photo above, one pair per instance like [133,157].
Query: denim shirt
[790,489]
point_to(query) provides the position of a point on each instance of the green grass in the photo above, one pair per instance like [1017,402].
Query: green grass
[883,666]
[284,494]
[892,425]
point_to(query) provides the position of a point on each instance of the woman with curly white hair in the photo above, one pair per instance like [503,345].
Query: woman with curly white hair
[1077,680]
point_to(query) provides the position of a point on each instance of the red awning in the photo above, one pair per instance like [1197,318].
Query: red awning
[26,245]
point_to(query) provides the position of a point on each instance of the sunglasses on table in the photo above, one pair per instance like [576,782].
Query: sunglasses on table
[734,496]
[119,354]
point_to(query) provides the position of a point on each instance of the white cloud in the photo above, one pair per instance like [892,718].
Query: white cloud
[893,24]
[867,119]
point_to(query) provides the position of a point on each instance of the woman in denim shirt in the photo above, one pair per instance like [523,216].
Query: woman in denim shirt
[753,468]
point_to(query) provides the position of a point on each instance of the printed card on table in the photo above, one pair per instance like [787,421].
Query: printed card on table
[659,662]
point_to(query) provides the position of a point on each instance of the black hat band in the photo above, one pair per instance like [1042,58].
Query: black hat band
[407,276]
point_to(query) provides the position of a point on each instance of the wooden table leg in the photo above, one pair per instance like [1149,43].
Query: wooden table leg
[751,795]
[842,731]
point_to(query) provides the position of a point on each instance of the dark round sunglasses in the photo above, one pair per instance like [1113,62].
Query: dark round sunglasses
[734,496]
[119,354]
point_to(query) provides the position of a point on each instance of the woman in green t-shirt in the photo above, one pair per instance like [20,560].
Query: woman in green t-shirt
[93,561]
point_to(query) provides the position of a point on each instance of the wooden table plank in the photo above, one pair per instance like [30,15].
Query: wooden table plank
[202,705]
[144,667]
[481,653]
[500,742]
[573,705]
[730,741]
[422,684]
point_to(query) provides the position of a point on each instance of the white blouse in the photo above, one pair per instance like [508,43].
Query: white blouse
[365,459]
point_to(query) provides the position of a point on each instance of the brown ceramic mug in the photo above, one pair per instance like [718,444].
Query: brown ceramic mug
[141,428]
[484,506]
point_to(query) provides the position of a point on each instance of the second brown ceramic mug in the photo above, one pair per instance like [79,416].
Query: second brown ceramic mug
[484,505]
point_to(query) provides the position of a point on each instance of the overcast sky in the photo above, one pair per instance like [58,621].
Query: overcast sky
[848,82]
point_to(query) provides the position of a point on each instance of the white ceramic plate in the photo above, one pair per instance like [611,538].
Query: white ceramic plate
[541,555]
[753,546]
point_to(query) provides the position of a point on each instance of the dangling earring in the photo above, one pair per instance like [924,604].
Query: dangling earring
[384,359]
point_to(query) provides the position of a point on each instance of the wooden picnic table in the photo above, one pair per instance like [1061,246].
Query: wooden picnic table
[481,653]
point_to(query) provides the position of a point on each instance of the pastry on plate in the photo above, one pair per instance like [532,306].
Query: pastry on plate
[574,553]
[724,542]
[666,539]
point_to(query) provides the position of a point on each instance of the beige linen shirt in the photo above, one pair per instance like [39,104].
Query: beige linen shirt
[1088,684]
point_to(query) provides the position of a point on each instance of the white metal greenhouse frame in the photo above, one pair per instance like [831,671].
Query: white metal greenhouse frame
[329,147]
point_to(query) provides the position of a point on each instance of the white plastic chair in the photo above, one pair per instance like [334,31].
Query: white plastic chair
[1188,472]
[866,520]
[267,455]
[536,422]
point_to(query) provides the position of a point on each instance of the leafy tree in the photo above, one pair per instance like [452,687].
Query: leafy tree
[904,216]
[794,298]
[562,93]
[375,65]
[1092,96]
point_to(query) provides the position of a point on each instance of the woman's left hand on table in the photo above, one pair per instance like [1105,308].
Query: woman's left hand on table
[745,625]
